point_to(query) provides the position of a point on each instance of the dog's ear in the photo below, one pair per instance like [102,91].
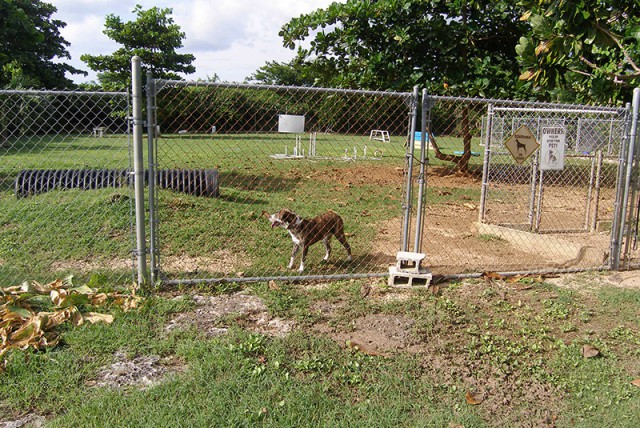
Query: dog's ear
[287,216]
[265,214]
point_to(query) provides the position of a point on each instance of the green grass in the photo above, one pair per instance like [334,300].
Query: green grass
[513,344]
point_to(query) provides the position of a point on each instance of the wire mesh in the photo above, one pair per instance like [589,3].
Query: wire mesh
[306,150]
[65,198]
[497,205]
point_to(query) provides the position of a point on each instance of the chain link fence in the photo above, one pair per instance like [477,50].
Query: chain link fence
[230,156]
[477,185]
[520,187]
[65,197]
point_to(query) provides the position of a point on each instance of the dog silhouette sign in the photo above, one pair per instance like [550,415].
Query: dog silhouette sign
[552,149]
[522,144]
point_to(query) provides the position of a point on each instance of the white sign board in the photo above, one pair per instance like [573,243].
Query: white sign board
[552,148]
[522,144]
[291,124]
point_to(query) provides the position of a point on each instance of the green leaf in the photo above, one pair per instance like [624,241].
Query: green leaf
[24,313]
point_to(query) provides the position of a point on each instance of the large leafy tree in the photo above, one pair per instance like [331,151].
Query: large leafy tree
[587,50]
[454,47]
[153,36]
[31,46]
[396,44]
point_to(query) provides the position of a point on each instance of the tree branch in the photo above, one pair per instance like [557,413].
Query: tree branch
[616,39]
[617,78]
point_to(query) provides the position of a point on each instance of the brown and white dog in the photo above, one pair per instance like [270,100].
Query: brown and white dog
[306,232]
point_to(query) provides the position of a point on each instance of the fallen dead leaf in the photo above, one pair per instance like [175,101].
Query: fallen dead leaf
[94,317]
[473,398]
[490,276]
[273,285]
[22,326]
[365,289]
[589,351]
[636,382]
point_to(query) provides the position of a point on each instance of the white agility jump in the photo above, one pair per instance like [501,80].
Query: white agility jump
[380,135]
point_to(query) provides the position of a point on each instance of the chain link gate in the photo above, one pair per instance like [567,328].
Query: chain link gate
[491,208]
[65,199]
[226,156]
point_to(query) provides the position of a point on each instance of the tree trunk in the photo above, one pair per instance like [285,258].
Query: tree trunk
[461,162]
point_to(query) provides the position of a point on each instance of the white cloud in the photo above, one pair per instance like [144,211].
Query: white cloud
[230,38]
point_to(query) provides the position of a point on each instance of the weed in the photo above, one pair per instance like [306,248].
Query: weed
[557,310]
[485,237]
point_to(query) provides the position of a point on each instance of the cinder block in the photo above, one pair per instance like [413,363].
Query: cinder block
[407,261]
[400,278]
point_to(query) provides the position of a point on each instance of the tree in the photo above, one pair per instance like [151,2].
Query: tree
[30,42]
[582,51]
[454,47]
[153,37]
[297,72]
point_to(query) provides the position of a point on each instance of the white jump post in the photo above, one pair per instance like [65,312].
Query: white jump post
[312,144]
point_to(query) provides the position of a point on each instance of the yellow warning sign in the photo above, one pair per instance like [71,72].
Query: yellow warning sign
[522,144]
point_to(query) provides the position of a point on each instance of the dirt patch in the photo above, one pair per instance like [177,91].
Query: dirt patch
[222,261]
[452,244]
[89,265]
[213,312]
[374,334]
[451,238]
[388,174]
[140,372]
[31,420]
[588,282]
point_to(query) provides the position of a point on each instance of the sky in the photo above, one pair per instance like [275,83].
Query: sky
[229,38]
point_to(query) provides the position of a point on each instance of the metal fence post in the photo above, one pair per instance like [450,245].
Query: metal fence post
[410,147]
[485,165]
[417,246]
[151,135]
[614,247]
[138,168]
[631,167]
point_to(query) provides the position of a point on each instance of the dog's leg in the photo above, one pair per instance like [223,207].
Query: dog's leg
[327,247]
[340,236]
[304,254]
[296,247]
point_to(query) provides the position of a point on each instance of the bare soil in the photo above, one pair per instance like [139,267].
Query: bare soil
[454,242]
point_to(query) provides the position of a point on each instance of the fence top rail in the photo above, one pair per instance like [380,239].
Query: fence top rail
[529,104]
[162,83]
[52,92]
[558,110]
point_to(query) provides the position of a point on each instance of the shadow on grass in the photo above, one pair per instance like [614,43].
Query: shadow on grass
[257,182]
